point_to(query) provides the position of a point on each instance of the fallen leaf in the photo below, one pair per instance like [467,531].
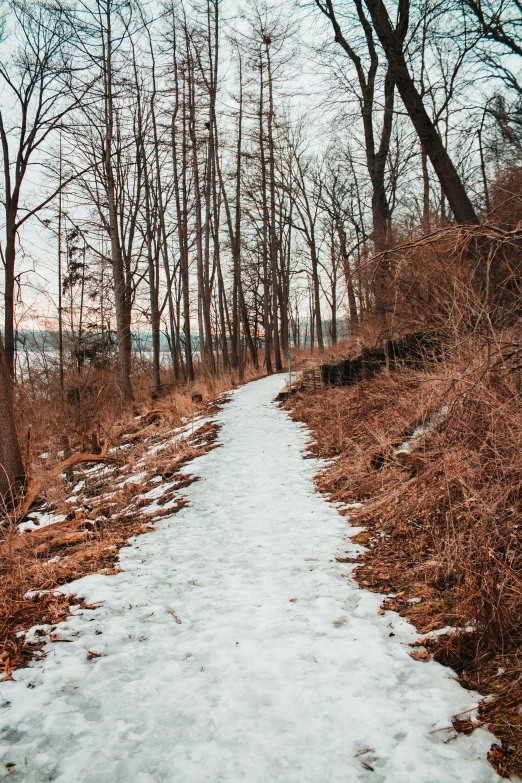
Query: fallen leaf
[420,655]
[464,726]
[495,753]
[293,600]
[497,757]
[175,617]
[91,655]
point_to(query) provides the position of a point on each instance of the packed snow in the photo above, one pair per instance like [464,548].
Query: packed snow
[233,647]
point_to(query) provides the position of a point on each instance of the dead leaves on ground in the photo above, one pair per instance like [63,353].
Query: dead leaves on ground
[499,758]
[420,655]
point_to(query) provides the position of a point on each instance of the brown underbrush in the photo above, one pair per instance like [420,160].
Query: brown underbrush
[435,457]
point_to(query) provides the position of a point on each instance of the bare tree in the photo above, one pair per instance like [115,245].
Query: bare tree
[100,29]
[34,77]
[392,41]
[307,205]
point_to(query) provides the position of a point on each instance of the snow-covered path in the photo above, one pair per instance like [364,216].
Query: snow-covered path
[251,686]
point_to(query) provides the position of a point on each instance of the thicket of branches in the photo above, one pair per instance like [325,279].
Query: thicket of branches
[214,184]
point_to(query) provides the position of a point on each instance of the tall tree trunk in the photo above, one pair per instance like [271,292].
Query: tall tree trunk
[311,300]
[153,286]
[205,331]
[308,215]
[151,245]
[163,241]
[333,283]
[284,285]
[352,304]
[317,295]
[392,43]
[273,232]
[12,473]
[60,293]
[9,256]
[120,284]
[425,191]
[487,203]
[180,191]
[267,325]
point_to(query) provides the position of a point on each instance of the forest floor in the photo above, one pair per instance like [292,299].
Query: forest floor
[230,642]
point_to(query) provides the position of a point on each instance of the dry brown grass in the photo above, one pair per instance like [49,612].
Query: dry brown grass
[444,522]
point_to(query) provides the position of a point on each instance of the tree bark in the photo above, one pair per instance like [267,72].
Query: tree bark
[267,325]
[352,304]
[181,208]
[10,256]
[123,326]
[392,42]
[273,233]
[12,473]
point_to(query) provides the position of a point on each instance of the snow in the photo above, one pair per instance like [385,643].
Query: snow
[158,491]
[33,593]
[280,670]
[423,429]
[39,519]
[181,433]
[135,479]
